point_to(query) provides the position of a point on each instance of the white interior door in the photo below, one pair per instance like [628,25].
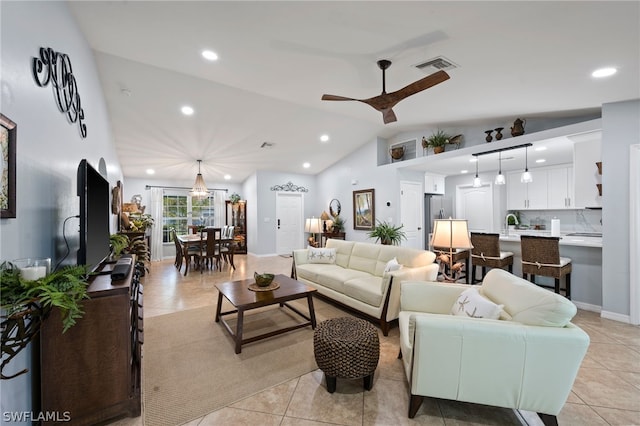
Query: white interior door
[411,213]
[289,222]
[476,206]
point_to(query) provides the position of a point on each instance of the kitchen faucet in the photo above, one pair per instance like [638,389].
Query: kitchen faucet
[506,222]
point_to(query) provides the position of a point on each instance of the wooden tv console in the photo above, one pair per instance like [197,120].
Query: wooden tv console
[91,373]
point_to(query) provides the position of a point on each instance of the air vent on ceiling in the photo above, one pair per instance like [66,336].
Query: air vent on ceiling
[436,64]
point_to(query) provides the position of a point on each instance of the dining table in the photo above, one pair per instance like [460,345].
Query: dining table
[200,240]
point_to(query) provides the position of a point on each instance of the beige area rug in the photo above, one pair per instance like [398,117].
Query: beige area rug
[191,369]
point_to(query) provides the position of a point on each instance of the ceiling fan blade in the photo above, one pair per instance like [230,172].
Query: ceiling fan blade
[337,98]
[420,85]
[388,116]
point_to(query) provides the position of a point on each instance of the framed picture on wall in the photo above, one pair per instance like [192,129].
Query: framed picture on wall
[8,167]
[364,209]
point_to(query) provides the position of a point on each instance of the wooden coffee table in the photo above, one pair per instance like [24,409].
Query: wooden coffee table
[243,299]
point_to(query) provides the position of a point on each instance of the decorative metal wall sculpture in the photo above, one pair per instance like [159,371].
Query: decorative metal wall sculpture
[55,67]
[289,186]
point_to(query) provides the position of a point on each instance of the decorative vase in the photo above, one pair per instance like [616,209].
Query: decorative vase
[438,149]
[518,127]
[397,153]
[489,138]
[498,133]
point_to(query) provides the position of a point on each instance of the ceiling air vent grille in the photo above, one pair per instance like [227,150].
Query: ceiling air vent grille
[436,64]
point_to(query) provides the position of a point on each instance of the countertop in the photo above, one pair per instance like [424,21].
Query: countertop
[565,239]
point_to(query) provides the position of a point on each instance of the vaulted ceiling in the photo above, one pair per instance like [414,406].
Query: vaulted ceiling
[276,60]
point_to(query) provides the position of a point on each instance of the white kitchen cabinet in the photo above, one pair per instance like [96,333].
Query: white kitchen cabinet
[560,184]
[433,184]
[527,196]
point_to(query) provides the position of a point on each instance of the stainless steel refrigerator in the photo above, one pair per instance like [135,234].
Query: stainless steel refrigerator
[435,207]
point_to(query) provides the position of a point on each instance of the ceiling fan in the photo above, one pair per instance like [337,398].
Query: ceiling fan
[386,101]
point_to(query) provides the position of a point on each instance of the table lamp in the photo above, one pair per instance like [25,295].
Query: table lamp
[312,226]
[451,234]
[324,217]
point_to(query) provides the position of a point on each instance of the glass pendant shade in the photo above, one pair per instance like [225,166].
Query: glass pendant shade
[477,183]
[526,176]
[500,180]
[199,189]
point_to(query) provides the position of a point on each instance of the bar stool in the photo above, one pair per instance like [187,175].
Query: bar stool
[486,253]
[541,256]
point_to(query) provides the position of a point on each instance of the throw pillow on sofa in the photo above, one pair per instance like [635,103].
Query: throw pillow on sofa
[321,255]
[471,304]
[392,265]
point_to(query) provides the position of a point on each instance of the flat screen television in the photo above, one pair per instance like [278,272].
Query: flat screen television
[93,190]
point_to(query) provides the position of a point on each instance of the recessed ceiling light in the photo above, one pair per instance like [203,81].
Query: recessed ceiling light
[227,177]
[604,72]
[306,165]
[151,171]
[210,55]
[542,160]
[473,160]
[324,138]
[540,148]
[187,110]
[464,171]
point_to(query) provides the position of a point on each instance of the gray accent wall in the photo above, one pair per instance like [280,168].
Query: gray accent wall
[620,130]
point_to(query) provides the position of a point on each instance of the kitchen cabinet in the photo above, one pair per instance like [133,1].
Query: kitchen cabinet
[433,184]
[527,196]
[560,184]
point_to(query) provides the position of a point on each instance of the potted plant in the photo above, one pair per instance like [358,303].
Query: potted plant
[27,303]
[388,234]
[234,198]
[338,224]
[140,222]
[436,141]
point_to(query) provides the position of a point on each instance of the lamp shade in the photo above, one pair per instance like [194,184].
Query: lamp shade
[451,233]
[324,216]
[199,189]
[313,225]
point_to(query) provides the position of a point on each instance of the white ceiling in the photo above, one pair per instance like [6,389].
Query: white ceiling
[516,59]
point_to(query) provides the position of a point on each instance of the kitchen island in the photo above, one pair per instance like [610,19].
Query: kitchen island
[585,252]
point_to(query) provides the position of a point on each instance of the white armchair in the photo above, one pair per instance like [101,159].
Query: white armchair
[527,360]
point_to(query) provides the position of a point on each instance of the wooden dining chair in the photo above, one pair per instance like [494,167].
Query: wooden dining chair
[191,254]
[210,250]
[228,246]
[179,256]
[486,253]
[541,256]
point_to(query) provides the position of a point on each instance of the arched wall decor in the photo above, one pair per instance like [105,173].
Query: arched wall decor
[289,186]
[55,67]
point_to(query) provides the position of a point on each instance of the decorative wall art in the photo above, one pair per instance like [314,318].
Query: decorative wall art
[55,68]
[8,167]
[364,216]
[290,187]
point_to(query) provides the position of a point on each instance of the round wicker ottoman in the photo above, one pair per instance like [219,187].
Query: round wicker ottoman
[347,348]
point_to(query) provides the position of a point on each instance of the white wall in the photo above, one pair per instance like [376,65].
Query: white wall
[620,130]
[49,148]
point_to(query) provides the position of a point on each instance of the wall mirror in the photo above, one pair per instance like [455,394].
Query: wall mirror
[334,207]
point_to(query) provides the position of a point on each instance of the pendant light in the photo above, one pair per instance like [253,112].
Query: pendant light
[500,177]
[199,189]
[476,182]
[526,176]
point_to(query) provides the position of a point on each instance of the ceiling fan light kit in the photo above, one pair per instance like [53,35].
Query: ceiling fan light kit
[386,101]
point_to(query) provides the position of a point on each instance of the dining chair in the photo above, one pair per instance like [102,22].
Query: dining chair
[228,246]
[486,253]
[211,248]
[191,254]
[179,256]
[541,256]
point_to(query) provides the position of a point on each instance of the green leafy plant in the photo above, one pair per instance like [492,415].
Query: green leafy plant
[438,139]
[234,198]
[140,222]
[26,305]
[388,234]
[119,243]
[338,224]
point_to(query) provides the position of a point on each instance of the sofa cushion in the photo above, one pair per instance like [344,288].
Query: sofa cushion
[471,304]
[364,257]
[365,289]
[334,276]
[343,250]
[526,302]
[321,255]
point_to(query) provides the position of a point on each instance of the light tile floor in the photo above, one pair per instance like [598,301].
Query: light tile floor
[606,392]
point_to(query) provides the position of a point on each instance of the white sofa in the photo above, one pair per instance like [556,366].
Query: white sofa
[527,360]
[355,277]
